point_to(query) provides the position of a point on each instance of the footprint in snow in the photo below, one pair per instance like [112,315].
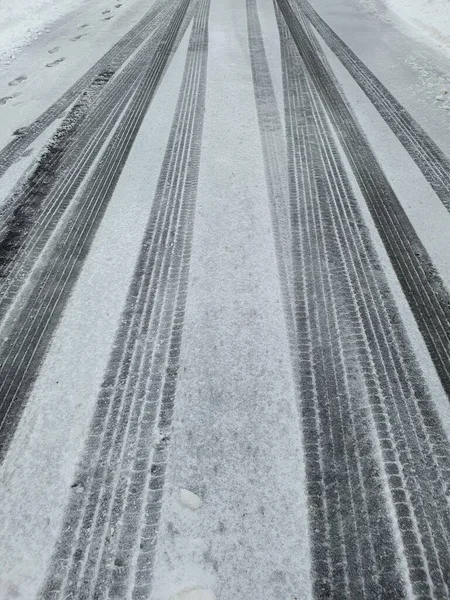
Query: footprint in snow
[78,37]
[117,5]
[56,62]
[18,80]
[53,50]
[83,26]
[107,18]
[105,12]
[21,131]
[6,99]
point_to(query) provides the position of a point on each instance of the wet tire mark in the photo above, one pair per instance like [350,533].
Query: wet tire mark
[28,201]
[413,470]
[76,162]
[422,286]
[136,403]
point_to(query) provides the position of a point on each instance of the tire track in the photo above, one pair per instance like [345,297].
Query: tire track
[353,543]
[21,354]
[274,151]
[114,92]
[108,541]
[377,460]
[424,290]
[26,204]
[111,61]
[407,428]
[429,158]
[21,257]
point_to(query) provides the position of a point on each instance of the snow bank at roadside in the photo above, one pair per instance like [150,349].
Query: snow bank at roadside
[23,20]
[432,16]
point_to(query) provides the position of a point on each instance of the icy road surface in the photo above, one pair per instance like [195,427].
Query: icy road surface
[225,306]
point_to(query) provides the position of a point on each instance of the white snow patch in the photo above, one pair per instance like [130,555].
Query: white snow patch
[194,594]
[189,499]
[24,20]
[430,16]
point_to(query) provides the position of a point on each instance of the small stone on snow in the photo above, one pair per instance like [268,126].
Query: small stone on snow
[190,499]
[194,594]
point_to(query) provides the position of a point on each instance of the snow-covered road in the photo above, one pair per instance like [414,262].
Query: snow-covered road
[225,306]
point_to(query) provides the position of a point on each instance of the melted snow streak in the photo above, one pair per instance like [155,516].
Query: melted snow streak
[35,311]
[377,460]
[108,539]
[430,159]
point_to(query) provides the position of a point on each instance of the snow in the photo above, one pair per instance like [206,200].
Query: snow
[234,521]
[431,16]
[236,433]
[194,594]
[427,213]
[39,469]
[189,499]
[23,20]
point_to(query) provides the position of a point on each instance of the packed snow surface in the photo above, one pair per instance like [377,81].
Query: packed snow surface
[195,594]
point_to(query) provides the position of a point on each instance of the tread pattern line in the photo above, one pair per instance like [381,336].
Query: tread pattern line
[377,459]
[429,158]
[109,536]
[112,60]
[22,352]
[423,288]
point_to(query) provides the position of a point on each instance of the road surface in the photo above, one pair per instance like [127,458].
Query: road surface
[225,305]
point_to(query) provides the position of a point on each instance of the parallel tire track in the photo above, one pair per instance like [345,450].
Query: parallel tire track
[24,203]
[20,259]
[112,60]
[109,536]
[274,150]
[430,159]
[22,353]
[424,290]
[377,460]
[352,541]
